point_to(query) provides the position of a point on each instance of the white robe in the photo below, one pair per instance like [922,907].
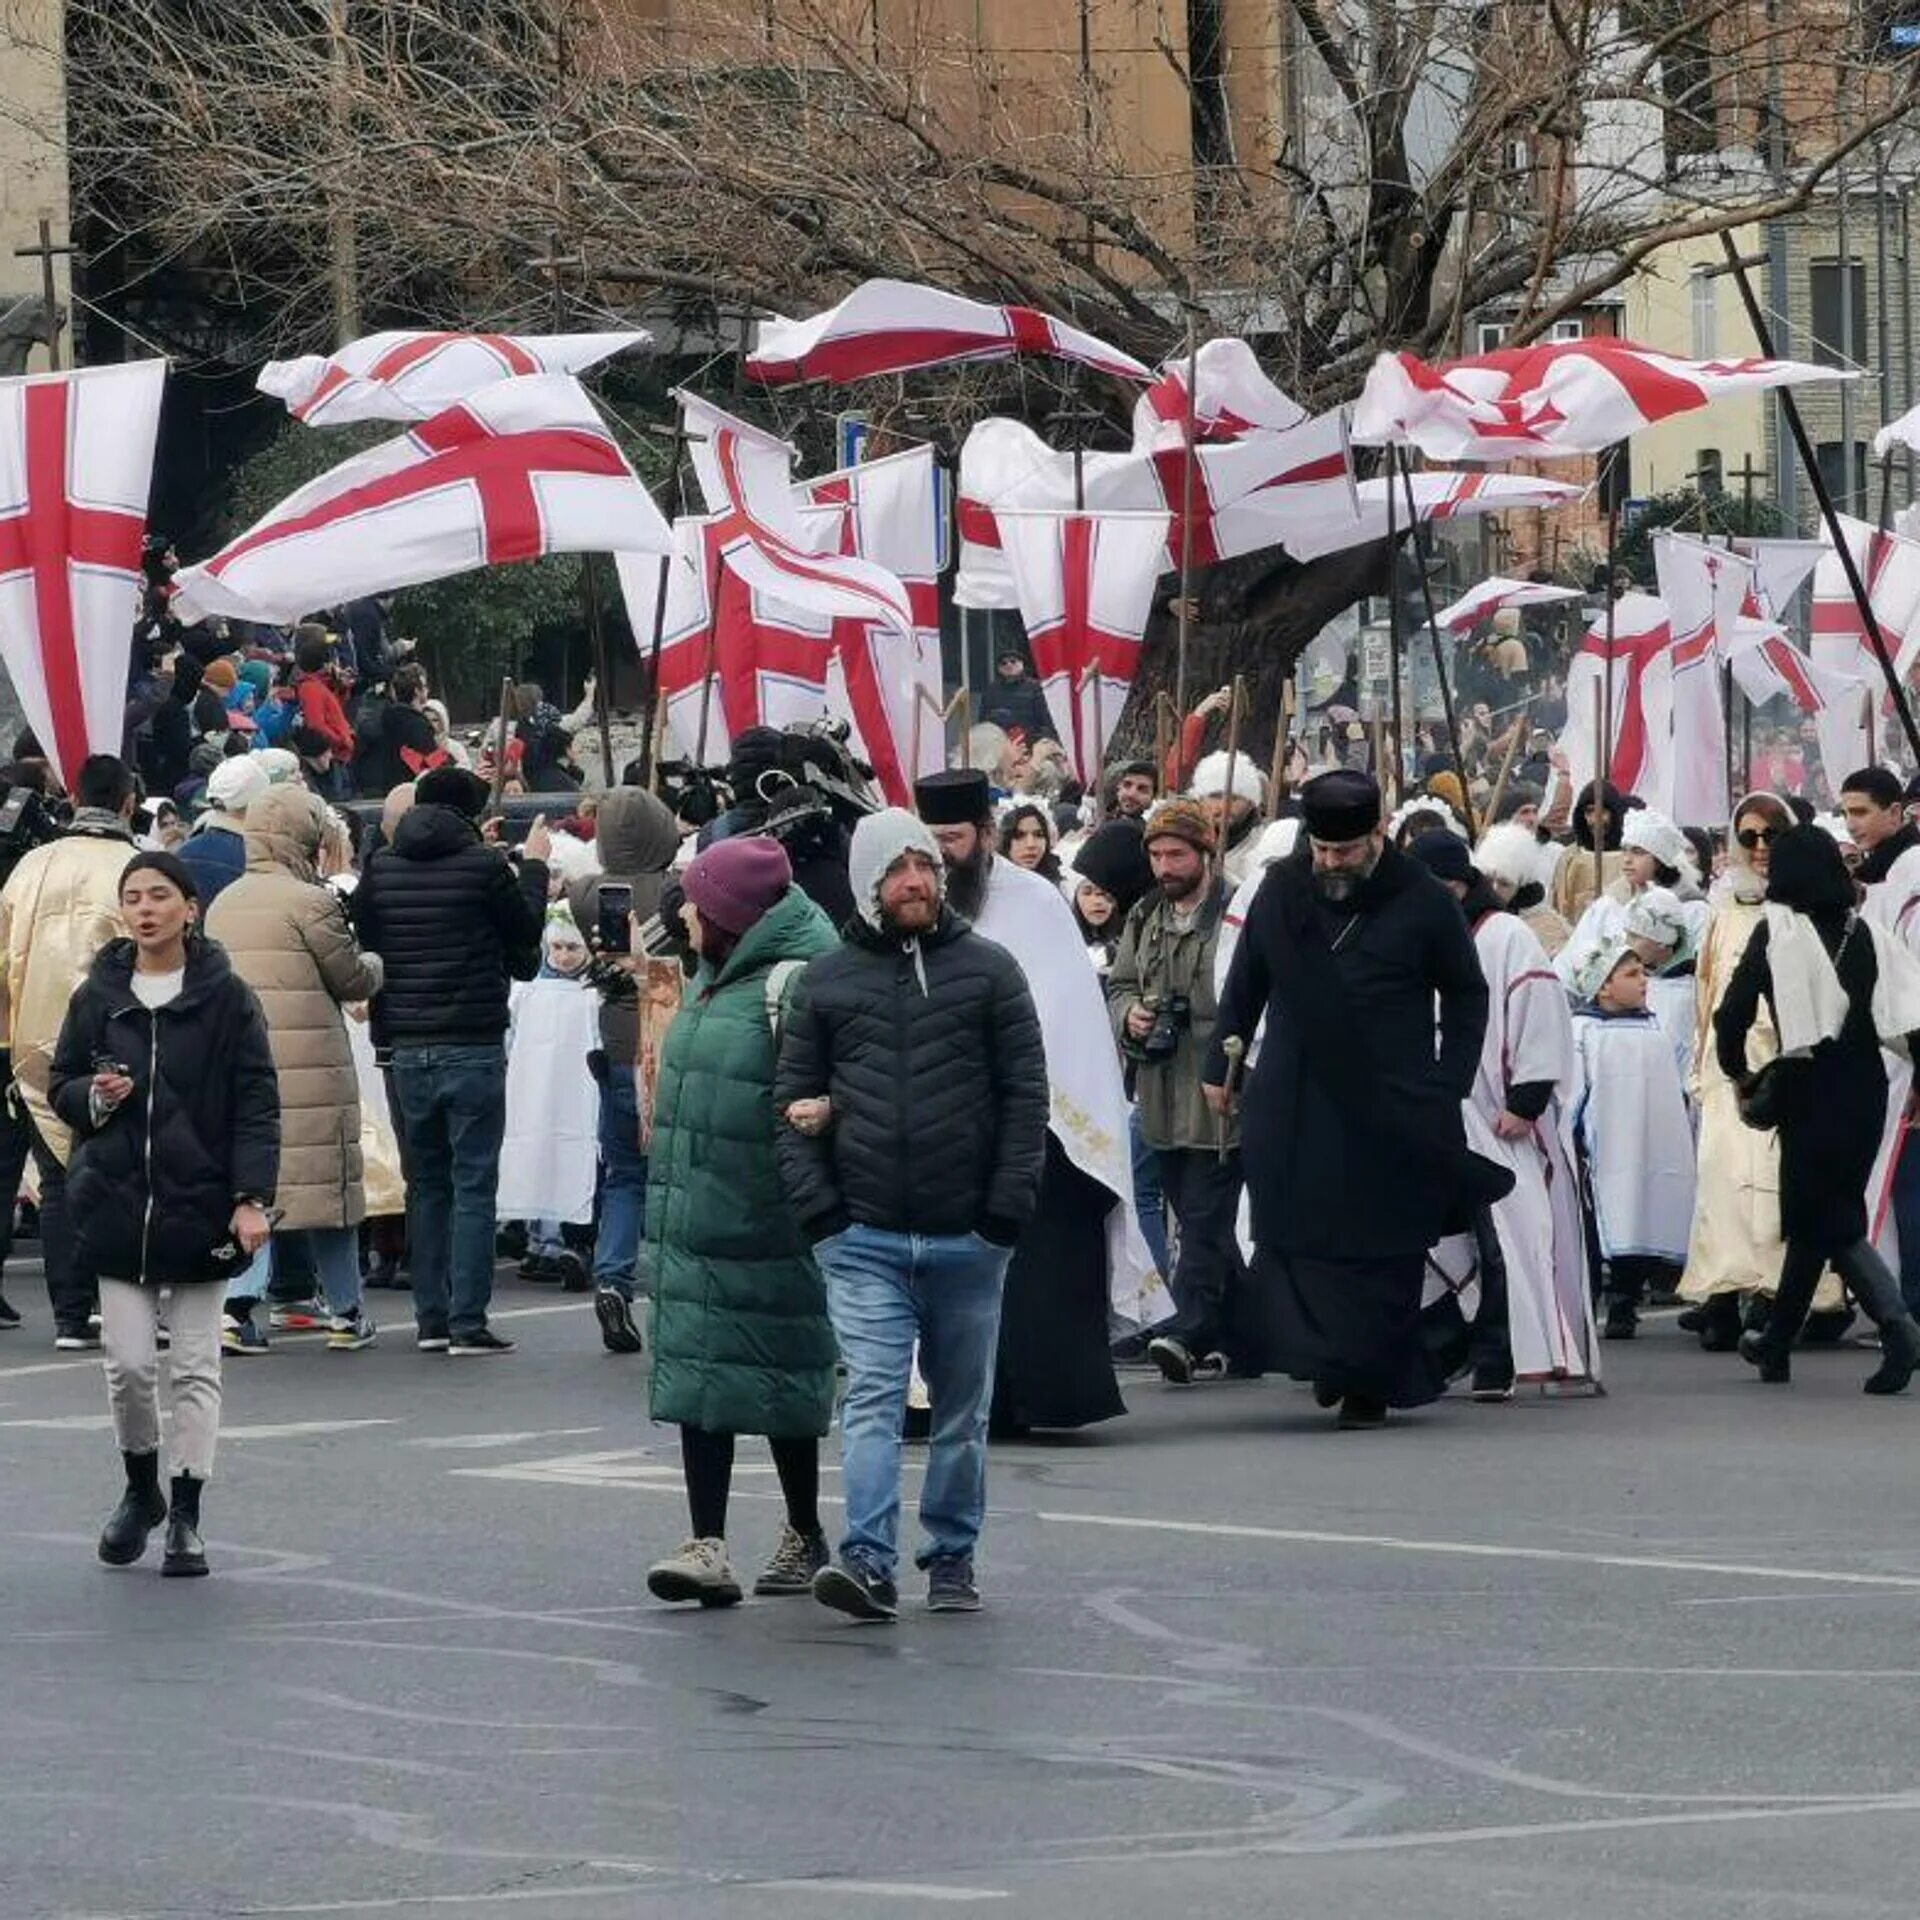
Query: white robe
[550,1153]
[1630,1114]
[1895,905]
[1530,1039]
[1671,998]
[1090,1113]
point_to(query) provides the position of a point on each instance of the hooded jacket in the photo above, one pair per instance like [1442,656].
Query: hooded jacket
[152,1187]
[287,936]
[636,837]
[930,1049]
[453,922]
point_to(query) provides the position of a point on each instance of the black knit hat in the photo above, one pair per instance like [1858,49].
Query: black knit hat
[173,868]
[456,787]
[1114,859]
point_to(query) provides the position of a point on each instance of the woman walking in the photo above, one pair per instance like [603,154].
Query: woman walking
[1837,986]
[164,1073]
[741,1339]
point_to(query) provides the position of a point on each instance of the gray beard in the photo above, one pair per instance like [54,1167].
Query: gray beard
[967,882]
[1338,888]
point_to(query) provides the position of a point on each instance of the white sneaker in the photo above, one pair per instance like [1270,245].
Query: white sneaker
[699,1571]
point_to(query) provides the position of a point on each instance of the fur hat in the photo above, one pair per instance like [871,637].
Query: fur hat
[1210,778]
[1510,854]
[1179,817]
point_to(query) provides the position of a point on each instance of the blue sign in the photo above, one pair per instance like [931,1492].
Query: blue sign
[852,431]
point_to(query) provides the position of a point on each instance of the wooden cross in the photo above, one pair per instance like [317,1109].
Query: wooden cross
[46,253]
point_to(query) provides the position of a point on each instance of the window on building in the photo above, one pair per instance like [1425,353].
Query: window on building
[1706,315]
[1846,482]
[1564,332]
[1839,335]
[1489,336]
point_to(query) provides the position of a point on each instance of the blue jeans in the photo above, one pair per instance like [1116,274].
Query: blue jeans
[334,1253]
[1148,1201]
[884,1290]
[623,1183]
[453,1108]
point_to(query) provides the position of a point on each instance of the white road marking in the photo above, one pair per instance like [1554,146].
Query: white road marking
[284,1430]
[1476,1550]
[535,1313]
[635,1470]
[50,1366]
[478,1442]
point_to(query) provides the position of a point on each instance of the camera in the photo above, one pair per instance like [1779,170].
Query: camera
[1172,1016]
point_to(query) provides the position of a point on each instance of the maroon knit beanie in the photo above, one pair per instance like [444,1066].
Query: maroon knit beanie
[735,881]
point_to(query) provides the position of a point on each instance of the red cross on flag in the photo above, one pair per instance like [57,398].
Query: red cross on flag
[894,326]
[1326,524]
[1484,601]
[76,461]
[1704,588]
[1640,663]
[413,376]
[1086,583]
[523,469]
[1527,402]
[1232,396]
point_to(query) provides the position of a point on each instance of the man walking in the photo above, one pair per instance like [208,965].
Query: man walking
[1355,1147]
[913,1082]
[452,922]
[1161,1000]
[60,906]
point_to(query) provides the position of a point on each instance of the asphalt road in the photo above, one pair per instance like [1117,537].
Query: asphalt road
[1642,1656]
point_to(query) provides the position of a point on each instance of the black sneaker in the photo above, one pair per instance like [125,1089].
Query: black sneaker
[1623,1320]
[1173,1360]
[432,1340]
[1493,1382]
[82,1339]
[571,1271]
[950,1587]
[537,1267]
[481,1340]
[8,1317]
[1358,1414]
[618,1331]
[849,1588]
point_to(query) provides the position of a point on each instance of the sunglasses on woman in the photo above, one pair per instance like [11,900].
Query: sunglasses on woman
[1751,837]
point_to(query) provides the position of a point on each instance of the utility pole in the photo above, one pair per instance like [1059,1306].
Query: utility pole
[46,253]
[1778,292]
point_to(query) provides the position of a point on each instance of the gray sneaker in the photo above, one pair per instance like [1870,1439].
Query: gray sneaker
[950,1587]
[797,1558]
[699,1571]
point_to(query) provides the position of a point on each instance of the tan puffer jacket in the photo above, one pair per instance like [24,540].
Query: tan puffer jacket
[288,939]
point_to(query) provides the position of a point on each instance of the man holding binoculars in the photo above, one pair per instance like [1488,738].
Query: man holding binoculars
[1161,998]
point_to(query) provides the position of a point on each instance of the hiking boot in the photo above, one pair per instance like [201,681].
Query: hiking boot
[349,1332]
[1173,1360]
[1358,1414]
[848,1587]
[950,1587]
[797,1558]
[699,1571]
[185,1557]
[142,1508]
[619,1333]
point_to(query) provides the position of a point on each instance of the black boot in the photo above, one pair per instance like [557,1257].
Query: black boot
[1721,1333]
[186,1556]
[142,1508]
[1878,1292]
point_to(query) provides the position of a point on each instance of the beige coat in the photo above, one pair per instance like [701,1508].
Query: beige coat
[61,905]
[288,939]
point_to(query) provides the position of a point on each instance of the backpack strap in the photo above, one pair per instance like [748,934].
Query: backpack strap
[779,978]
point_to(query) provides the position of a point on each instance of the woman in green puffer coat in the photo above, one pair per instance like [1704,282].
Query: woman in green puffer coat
[741,1341]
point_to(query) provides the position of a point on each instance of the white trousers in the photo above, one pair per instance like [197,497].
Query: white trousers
[129,1319]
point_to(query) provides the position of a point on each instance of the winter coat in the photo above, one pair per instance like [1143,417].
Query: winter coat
[288,938]
[636,837]
[151,1190]
[60,906]
[1021,704]
[453,922]
[741,1341]
[321,710]
[216,856]
[1155,960]
[932,1055]
[1354,1145]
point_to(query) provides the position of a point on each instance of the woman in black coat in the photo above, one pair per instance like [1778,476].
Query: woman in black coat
[1830,1107]
[164,1074]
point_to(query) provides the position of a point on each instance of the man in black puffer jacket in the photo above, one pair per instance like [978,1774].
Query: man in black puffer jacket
[454,924]
[913,1081]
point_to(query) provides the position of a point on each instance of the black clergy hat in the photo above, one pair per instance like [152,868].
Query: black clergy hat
[1341,805]
[957,797]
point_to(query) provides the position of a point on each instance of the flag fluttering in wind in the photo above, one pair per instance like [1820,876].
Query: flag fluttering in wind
[76,462]
[1232,397]
[1639,660]
[1542,401]
[1705,588]
[895,326]
[413,376]
[524,468]
[1482,602]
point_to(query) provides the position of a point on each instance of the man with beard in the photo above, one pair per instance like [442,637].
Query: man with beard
[1082,1251]
[1354,1147]
[1131,789]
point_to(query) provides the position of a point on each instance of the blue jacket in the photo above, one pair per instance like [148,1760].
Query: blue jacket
[216,857]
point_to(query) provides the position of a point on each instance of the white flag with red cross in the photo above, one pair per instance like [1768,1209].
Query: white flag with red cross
[1232,396]
[524,468]
[76,463]
[1704,587]
[1638,662]
[1541,401]
[895,326]
[413,376]
[1484,601]
[1086,583]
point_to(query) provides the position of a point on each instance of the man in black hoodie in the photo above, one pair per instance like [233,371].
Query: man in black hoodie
[454,923]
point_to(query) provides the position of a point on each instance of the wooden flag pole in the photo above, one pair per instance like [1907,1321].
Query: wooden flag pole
[655,704]
[1507,759]
[1599,791]
[1433,634]
[1236,698]
[1282,740]
[500,749]
[1186,528]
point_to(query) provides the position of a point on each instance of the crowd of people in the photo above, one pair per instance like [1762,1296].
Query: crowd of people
[944,1117]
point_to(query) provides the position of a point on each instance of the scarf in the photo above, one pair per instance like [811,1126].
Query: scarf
[1810,1004]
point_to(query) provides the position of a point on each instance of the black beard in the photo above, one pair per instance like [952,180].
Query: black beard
[967,882]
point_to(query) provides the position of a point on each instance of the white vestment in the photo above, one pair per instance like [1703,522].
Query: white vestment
[1894,904]
[550,1153]
[1090,1114]
[1630,1116]
[1670,999]
[1530,1039]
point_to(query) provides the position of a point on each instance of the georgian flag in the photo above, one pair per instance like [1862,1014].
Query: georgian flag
[413,376]
[1639,661]
[1704,587]
[523,469]
[1541,401]
[1232,397]
[76,461]
[1438,494]
[1482,602]
[895,326]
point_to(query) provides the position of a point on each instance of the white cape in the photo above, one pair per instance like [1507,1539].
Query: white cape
[1630,1114]
[1893,906]
[1026,915]
[550,1154]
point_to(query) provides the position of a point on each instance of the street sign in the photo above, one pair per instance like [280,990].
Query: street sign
[852,432]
